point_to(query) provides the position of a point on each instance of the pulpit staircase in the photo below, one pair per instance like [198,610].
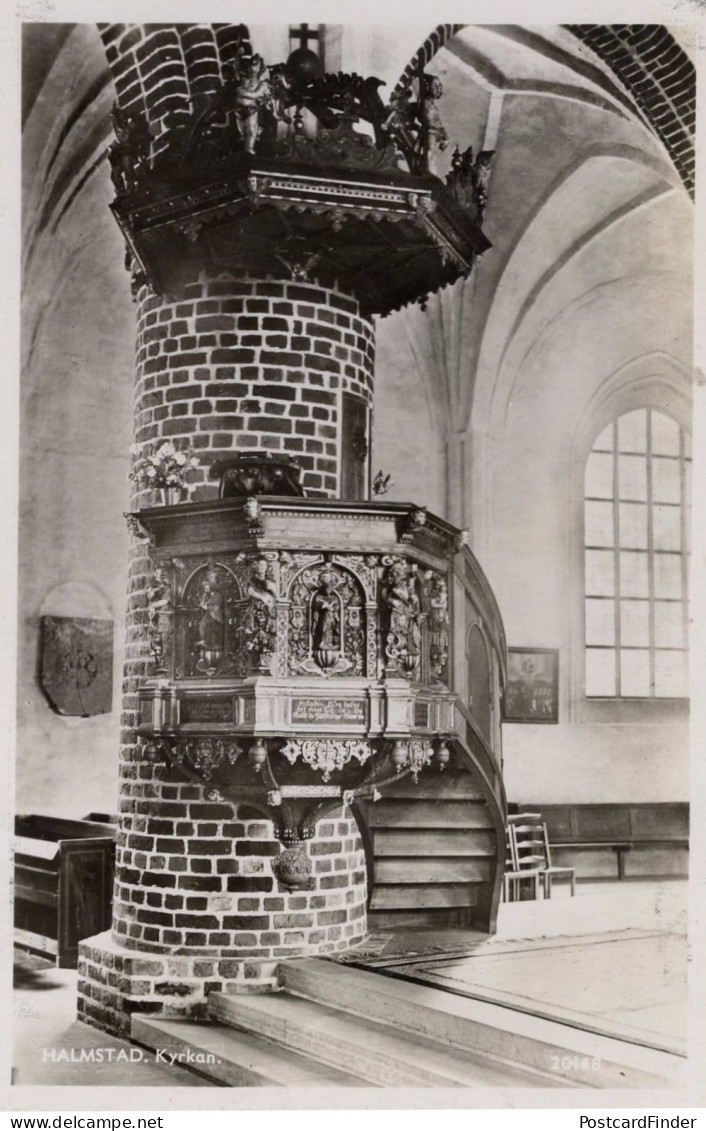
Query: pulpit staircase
[434,849]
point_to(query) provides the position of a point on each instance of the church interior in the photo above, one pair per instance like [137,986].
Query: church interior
[354,538]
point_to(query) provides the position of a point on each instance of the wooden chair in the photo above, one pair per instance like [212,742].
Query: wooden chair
[519,868]
[531,853]
[553,870]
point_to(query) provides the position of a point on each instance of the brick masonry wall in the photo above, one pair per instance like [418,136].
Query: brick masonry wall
[193,878]
[158,67]
[252,364]
[200,887]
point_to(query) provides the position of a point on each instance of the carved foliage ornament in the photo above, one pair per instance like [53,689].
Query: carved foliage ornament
[420,755]
[326,755]
[206,755]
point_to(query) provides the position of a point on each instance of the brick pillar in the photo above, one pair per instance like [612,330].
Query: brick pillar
[256,363]
[198,910]
[230,365]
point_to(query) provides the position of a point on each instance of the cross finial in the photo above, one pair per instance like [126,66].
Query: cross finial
[302,34]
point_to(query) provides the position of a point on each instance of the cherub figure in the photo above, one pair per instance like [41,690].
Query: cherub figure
[252,91]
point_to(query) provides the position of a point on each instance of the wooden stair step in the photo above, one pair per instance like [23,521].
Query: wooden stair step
[434,870]
[444,786]
[409,896]
[581,1058]
[236,1060]
[434,842]
[371,1050]
[392,813]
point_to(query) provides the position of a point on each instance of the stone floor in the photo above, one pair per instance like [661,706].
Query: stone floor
[636,977]
[50,1047]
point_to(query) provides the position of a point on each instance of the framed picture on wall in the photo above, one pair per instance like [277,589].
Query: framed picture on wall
[532,693]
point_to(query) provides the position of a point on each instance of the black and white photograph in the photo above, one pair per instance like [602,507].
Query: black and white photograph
[355,595]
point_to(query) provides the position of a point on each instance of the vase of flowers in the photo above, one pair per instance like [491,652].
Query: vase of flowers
[164,470]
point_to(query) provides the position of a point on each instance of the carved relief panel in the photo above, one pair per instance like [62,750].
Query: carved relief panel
[210,641]
[231,615]
[326,622]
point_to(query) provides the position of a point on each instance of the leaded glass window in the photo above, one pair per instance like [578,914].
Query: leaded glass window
[637,520]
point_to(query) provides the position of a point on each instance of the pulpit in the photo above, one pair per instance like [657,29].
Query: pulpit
[301,753]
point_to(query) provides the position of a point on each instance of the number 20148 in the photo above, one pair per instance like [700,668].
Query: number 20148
[564,1063]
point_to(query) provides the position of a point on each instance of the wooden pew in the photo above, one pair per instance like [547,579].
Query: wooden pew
[63,884]
[649,840]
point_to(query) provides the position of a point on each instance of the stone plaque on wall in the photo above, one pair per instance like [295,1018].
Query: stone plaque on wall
[77,665]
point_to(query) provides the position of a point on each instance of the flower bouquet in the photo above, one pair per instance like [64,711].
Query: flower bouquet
[165,469]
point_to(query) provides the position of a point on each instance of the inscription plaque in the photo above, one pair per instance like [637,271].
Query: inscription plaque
[206,711]
[328,711]
[310,790]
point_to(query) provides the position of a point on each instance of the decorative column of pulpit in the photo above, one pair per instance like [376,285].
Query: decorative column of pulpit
[287,641]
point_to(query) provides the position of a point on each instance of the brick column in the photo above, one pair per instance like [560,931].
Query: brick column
[230,365]
[256,363]
[198,910]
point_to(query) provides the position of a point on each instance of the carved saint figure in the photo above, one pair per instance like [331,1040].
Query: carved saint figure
[403,615]
[158,595]
[260,587]
[325,616]
[432,91]
[468,180]
[438,624]
[260,622]
[212,622]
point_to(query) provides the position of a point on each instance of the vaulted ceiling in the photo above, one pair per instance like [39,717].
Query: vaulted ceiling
[589,203]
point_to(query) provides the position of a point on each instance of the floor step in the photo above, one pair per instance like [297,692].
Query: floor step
[371,1050]
[228,1057]
[395,813]
[577,1056]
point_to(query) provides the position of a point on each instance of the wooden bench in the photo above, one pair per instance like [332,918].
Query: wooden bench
[654,835]
[63,884]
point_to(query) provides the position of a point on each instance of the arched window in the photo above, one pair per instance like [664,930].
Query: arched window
[637,516]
